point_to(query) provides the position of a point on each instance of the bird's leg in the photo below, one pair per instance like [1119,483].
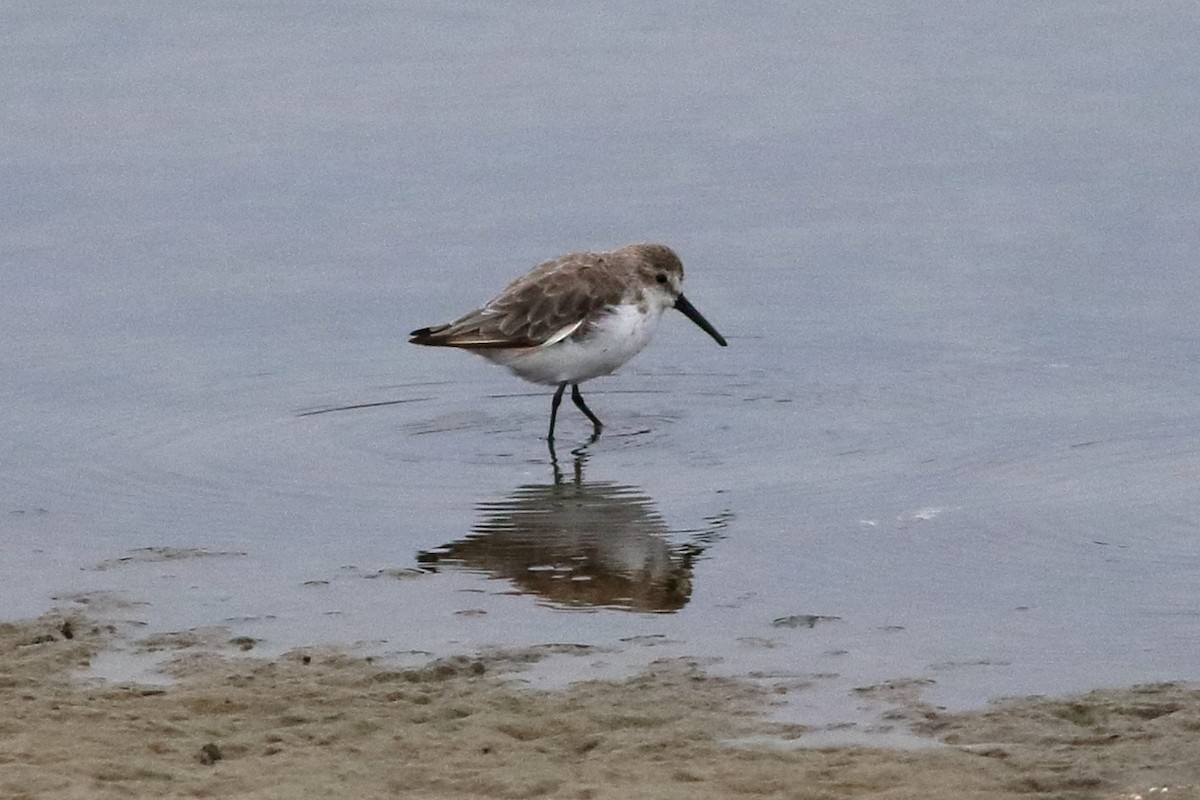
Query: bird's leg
[555,468]
[577,399]
[554,411]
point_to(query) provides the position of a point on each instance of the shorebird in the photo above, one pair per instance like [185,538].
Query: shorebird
[574,318]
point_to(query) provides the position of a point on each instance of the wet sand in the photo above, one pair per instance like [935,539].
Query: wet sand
[320,723]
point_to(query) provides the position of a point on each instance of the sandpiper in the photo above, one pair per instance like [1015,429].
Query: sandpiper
[574,318]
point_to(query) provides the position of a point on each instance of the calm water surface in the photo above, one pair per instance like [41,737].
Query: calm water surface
[955,435]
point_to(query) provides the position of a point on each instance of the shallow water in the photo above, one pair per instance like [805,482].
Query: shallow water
[952,250]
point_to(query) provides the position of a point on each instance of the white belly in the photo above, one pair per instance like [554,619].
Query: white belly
[612,341]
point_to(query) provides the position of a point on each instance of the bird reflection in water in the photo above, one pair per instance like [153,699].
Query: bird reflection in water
[582,544]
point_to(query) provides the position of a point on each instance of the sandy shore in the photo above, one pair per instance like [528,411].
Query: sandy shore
[323,724]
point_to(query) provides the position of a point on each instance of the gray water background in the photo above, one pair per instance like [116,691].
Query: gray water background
[953,248]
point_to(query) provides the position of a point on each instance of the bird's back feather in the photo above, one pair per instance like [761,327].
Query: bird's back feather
[566,292]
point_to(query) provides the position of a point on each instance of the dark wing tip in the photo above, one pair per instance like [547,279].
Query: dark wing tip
[421,336]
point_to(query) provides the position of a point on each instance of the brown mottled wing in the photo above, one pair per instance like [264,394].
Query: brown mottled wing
[553,295]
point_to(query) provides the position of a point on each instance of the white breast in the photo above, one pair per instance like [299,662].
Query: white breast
[611,341]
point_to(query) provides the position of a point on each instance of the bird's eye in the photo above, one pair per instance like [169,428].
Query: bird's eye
[661,277]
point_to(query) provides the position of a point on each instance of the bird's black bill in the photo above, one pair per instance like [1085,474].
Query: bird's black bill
[695,316]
